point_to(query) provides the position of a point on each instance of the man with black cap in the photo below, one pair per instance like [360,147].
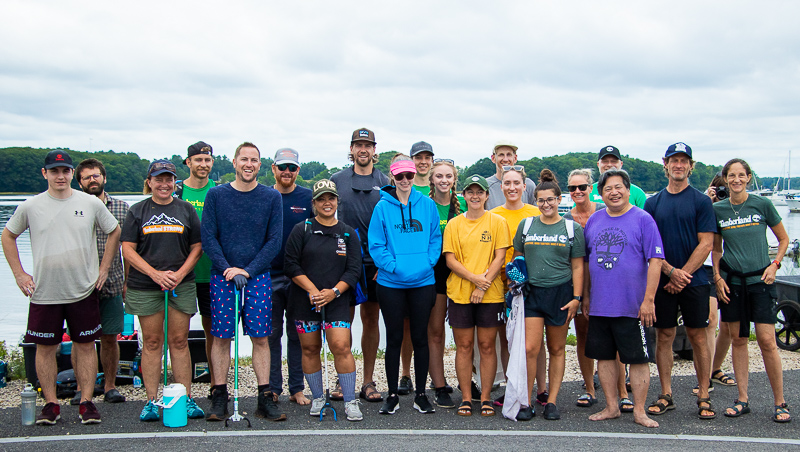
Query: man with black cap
[359,191]
[62,226]
[609,157]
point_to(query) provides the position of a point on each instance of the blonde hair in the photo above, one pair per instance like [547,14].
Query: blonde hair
[453,196]
[585,172]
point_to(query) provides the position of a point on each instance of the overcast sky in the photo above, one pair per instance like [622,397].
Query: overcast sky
[553,77]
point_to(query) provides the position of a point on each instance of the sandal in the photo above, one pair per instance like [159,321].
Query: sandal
[370,393]
[626,405]
[336,394]
[541,398]
[486,408]
[586,401]
[661,407]
[722,378]
[739,408]
[709,408]
[465,409]
[696,389]
[551,412]
[779,410]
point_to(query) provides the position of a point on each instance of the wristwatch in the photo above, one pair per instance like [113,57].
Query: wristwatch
[777,263]
[578,297]
[336,291]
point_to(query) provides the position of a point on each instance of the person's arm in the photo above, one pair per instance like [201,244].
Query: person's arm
[458,268]
[272,244]
[587,286]
[209,230]
[680,277]
[783,244]
[378,242]
[112,247]
[435,239]
[166,280]
[647,310]
[719,283]
[11,252]
[195,251]
[577,281]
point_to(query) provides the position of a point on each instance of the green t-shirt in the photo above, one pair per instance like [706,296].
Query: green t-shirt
[195,197]
[744,236]
[444,211]
[638,196]
[548,252]
[424,189]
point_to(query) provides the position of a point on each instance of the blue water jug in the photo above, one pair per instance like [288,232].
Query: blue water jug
[174,404]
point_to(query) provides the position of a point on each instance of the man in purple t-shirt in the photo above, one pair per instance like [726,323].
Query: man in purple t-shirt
[624,255]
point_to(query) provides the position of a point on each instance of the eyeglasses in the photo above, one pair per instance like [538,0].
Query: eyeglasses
[450,161]
[92,177]
[291,166]
[550,200]
[581,187]
[513,167]
[406,175]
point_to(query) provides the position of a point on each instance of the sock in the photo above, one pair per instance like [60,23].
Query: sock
[315,383]
[348,382]
[262,388]
[223,388]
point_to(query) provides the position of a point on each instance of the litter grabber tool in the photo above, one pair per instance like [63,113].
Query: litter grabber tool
[236,417]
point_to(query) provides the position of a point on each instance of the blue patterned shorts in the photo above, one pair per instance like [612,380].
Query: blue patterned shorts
[311,326]
[255,313]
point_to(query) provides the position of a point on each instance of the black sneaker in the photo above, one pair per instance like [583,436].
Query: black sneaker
[447,387]
[422,404]
[50,414]
[267,408]
[391,405]
[88,413]
[526,413]
[443,399]
[219,405]
[406,387]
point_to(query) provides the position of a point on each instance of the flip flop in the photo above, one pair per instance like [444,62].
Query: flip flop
[626,405]
[586,401]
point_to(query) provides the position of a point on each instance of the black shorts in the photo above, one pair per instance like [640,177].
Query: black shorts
[693,304]
[470,315]
[608,336]
[203,298]
[372,285]
[712,289]
[547,302]
[441,272]
[46,321]
[763,303]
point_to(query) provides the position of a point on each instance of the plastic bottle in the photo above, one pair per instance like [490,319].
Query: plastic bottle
[28,396]
[127,323]
[3,372]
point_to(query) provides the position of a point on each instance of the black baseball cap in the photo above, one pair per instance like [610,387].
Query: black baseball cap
[160,167]
[678,148]
[57,158]
[608,150]
[421,146]
[198,148]
[363,134]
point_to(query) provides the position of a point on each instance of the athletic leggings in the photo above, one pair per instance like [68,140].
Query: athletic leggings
[396,304]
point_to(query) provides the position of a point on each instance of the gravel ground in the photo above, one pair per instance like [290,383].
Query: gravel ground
[9,396]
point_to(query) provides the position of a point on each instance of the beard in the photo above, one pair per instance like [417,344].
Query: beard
[284,183]
[94,188]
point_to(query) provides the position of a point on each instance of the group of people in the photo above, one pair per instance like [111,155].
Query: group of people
[494,259]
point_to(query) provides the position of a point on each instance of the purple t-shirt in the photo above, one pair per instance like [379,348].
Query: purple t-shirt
[618,249]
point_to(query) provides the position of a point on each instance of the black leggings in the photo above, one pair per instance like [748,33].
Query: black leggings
[396,305]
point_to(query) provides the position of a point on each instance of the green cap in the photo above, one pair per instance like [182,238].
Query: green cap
[324,186]
[477,179]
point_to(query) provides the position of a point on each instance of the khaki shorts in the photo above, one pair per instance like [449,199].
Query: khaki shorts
[149,302]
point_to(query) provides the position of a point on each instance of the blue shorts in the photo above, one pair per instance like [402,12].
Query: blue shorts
[255,314]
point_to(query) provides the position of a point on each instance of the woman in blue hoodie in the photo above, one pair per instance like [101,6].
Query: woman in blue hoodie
[405,242]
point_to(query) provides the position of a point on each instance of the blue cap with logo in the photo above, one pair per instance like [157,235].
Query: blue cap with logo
[678,148]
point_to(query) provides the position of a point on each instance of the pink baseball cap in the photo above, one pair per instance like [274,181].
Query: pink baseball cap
[402,166]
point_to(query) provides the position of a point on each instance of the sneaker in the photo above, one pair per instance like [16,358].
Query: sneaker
[50,414]
[149,412]
[447,387]
[500,400]
[391,405]
[443,398]
[316,406]
[476,391]
[423,405]
[406,386]
[88,413]
[193,411]
[353,410]
[113,396]
[267,408]
[76,399]
[219,406]
[526,413]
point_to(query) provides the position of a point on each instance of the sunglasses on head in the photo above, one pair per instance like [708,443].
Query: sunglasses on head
[290,166]
[513,167]
[406,175]
[450,161]
[581,187]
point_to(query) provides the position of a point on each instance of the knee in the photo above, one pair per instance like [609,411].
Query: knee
[767,344]
[339,348]
[665,335]
[739,341]
[310,349]
[486,348]
[108,340]
[153,344]
[464,346]
[556,349]
[436,336]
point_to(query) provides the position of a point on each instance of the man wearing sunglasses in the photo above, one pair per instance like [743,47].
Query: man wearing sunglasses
[609,157]
[296,202]
[505,155]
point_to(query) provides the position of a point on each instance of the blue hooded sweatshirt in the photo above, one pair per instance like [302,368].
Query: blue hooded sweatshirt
[405,241]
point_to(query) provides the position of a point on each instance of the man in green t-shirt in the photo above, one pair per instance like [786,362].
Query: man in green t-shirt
[200,160]
[422,154]
[609,157]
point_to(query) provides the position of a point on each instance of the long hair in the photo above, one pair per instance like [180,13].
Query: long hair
[453,196]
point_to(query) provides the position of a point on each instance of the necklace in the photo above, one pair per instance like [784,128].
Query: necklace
[741,206]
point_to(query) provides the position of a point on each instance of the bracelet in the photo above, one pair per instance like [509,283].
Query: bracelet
[670,272]
[718,278]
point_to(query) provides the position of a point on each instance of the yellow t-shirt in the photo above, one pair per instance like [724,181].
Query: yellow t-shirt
[473,243]
[514,218]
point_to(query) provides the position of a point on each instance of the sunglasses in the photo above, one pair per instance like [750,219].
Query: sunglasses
[581,187]
[450,161]
[161,166]
[513,167]
[290,166]
[406,175]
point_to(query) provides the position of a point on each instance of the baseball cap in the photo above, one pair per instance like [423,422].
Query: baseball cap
[402,166]
[678,148]
[421,146]
[505,143]
[363,134]
[161,166]
[608,150]
[57,158]
[198,148]
[477,179]
[323,186]
[287,155]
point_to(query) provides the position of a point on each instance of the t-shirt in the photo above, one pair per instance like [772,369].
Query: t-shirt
[638,196]
[513,218]
[163,235]
[680,217]
[548,251]
[424,189]
[63,244]
[296,209]
[195,197]
[473,243]
[496,197]
[618,250]
[357,198]
[744,236]
[444,212]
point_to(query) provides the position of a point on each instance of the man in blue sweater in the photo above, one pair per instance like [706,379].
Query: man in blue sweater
[241,229]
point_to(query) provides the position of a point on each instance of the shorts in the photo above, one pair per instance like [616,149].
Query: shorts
[608,336]
[440,273]
[46,321]
[255,312]
[693,304]
[112,314]
[547,302]
[312,326]
[372,285]
[149,302]
[470,315]
[763,304]
[204,298]
[712,289]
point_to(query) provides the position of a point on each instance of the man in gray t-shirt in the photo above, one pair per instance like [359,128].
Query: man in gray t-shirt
[505,154]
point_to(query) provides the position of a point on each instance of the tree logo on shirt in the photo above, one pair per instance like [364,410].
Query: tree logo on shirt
[162,223]
[757,218]
[609,245]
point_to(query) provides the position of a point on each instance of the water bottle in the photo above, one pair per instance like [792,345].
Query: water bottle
[127,323]
[3,372]
[137,381]
[28,405]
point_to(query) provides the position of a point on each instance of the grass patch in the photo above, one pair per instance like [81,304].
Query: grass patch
[572,340]
[14,359]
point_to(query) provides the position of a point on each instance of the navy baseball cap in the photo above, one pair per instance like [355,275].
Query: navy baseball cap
[421,146]
[608,150]
[57,158]
[160,167]
[678,148]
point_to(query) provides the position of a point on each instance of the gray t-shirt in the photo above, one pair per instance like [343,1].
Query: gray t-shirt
[548,251]
[598,206]
[63,243]
[358,196]
[496,197]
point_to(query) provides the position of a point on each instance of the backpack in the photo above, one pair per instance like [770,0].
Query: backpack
[360,289]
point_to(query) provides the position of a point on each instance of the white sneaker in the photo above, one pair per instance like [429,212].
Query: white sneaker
[353,410]
[316,406]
